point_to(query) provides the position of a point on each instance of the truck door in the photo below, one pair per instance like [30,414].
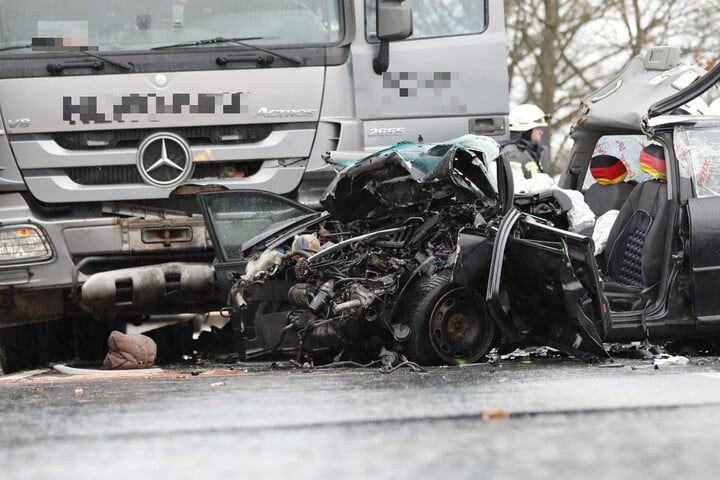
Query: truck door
[447,79]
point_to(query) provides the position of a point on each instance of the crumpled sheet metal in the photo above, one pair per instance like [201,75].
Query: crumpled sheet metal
[409,173]
[426,160]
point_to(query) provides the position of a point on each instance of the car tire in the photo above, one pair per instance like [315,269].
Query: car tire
[449,322]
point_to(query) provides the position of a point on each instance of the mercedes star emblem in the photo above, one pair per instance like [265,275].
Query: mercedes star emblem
[164,160]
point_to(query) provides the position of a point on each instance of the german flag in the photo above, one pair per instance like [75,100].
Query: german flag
[652,161]
[607,169]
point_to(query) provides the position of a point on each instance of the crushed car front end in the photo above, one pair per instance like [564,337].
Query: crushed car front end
[341,285]
[420,254]
[320,284]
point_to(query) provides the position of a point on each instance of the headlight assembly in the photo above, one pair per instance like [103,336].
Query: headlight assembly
[23,243]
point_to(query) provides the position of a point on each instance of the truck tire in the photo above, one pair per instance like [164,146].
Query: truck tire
[449,322]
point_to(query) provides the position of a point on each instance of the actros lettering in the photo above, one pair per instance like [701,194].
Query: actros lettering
[264,112]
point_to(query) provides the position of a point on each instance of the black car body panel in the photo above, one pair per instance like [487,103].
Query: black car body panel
[704,221]
[553,289]
[542,287]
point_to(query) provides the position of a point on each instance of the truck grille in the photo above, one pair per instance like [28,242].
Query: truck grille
[104,175]
[131,138]
[128,174]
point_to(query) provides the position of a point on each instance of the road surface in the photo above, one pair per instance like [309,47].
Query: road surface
[544,418]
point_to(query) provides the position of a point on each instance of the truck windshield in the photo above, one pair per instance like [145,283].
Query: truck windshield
[29,26]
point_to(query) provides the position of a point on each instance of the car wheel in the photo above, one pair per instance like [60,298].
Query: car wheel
[449,322]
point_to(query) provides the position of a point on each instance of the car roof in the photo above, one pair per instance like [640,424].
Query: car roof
[647,80]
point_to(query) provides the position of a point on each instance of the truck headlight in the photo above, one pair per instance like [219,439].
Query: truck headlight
[23,243]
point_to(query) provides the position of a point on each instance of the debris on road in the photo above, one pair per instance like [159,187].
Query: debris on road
[22,375]
[496,414]
[531,352]
[130,351]
[663,360]
[91,371]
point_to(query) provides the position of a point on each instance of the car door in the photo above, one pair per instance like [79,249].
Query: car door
[542,285]
[697,148]
[704,219]
[240,219]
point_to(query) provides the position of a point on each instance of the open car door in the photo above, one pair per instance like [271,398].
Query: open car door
[696,148]
[241,219]
[543,286]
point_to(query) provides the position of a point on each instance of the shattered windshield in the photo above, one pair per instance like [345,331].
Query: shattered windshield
[476,168]
[698,154]
[30,26]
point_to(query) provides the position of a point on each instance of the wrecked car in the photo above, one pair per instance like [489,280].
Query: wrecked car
[397,264]
[368,277]
[423,251]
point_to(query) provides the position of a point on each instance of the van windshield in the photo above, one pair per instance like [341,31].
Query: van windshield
[29,26]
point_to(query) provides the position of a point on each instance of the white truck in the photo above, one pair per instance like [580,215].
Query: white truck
[115,113]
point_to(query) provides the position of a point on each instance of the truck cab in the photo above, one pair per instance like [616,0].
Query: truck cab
[116,114]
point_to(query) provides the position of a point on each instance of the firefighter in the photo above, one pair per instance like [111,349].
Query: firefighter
[525,151]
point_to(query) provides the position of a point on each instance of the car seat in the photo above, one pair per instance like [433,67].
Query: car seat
[635,247]
[610,191]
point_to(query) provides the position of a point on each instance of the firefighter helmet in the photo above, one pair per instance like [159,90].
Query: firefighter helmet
[526,117]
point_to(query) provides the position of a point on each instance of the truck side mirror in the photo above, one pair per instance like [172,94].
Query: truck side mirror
[393,22]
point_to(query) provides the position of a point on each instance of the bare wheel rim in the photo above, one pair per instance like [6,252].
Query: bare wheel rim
[458,328]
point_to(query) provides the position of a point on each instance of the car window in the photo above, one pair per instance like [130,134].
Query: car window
[625,147]
[437,18]
[237,217]
[698,153]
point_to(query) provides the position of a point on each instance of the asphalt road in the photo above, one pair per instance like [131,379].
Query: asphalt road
[555,418]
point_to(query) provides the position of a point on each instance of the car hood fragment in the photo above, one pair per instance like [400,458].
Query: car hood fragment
[410,175]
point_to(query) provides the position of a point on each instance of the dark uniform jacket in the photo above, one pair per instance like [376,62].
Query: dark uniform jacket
[527,158]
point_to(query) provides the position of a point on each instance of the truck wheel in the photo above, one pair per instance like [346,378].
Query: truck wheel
[449,322]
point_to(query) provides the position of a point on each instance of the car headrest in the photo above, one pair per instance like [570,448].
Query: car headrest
[607,169]
[652,161]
